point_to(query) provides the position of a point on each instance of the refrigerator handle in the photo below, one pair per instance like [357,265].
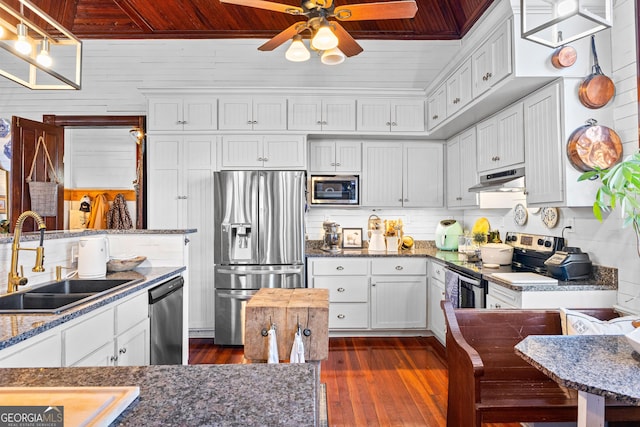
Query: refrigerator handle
[259,272]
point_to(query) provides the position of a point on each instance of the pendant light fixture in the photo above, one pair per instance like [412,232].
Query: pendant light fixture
[38,56]
[543,20]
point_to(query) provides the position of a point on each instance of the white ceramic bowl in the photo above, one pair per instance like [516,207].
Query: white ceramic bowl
[634,339]
[496,253]
[115,265]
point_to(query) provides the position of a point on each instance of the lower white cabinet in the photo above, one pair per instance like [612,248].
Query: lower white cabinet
[499,296]
[437,324]
[368,294]
[42,351]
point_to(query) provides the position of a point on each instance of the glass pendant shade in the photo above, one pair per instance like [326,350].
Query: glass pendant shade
[297,51]
[43,57]
[554,23]
[332,57]
[22,44]
[324,39]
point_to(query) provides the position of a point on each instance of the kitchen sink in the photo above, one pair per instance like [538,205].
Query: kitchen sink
[75,286]
[56,297]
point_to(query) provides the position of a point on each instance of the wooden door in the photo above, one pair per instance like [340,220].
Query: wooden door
[25,134]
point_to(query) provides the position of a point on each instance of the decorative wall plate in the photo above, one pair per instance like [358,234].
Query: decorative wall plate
[549,217]
[520,214]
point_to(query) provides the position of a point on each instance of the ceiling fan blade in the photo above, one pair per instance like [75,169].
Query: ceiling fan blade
[346,43]
[268,5]
[381,10]
[282,37]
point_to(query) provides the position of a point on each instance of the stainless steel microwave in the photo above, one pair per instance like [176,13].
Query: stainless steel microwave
[334,190]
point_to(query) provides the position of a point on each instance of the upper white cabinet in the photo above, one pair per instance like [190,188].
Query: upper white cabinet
[492,61]
[461,170]
[252,113]
[500,139]
[390,115]
[408,174]
[335,156]
[322,114]
[177,113]
[263,151]
[437,106]
[458,88]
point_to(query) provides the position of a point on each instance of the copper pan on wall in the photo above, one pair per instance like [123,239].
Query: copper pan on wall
[593,146]
[596,90]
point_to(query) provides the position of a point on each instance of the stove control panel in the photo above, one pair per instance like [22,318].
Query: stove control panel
[534,242]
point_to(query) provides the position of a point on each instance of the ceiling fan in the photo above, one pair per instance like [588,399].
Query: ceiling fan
[328,35]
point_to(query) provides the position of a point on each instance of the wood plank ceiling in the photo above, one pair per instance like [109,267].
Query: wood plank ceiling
[199,19]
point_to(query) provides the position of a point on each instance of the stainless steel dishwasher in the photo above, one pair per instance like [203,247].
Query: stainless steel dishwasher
[165,312]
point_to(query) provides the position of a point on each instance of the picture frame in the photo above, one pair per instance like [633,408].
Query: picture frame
[3,204]
[352,238]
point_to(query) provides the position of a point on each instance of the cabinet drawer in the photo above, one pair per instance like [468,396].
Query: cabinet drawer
[84,338]
[397,265]
[509,296]
[344,289]
[339,266]
[132,312]
[437,271]
[348,316]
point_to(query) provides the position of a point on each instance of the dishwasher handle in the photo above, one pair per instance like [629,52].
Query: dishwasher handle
[165,289]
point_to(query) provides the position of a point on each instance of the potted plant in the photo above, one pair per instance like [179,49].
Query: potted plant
[620,187]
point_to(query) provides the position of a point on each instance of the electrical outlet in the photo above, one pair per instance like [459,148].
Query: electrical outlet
[569,222]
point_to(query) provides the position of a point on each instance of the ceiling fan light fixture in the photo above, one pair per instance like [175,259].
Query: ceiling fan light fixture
[22,44]
[297,51]
[332,57]
[324,39]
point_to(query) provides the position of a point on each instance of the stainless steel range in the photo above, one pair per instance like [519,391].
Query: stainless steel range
[530,251]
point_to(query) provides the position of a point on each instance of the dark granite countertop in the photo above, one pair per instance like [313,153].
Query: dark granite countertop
[15,328]
[599,364]
[196,395]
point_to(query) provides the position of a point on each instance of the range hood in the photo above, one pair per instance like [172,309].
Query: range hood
[511,180]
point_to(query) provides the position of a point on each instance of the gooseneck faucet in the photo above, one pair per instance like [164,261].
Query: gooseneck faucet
[17,278]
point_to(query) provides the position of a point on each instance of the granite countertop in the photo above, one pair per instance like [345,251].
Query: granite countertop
[64,234]
[15,328]
[604,365]
[602,279]
[196,395]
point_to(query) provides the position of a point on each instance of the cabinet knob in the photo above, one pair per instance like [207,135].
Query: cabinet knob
[341,316]
[249,122]
[324,122]
[400,199]
[399,267]
[261,159]
[341,289]
[339,268]
[497,158]
[123,350]
[333,164]
[319,122]
[113,359]
[337,164]
[498,306]
[438,271]
[435,117]
[266,159]
[406,200]
[489,76]
[388,123]
[394,124]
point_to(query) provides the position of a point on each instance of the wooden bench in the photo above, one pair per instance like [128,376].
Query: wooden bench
[490,383]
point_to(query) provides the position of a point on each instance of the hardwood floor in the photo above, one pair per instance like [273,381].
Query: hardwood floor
[371,381]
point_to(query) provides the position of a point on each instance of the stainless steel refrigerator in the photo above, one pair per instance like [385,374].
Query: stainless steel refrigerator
[259,241]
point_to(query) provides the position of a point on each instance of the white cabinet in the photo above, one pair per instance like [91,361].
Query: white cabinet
[492,61]
[499,296]
[437,324]
[406,174]
[348,283]
[398,293]
[368,294]
[197,113]
[116,336]
[263,151]
[544,148]
[42,351]
[335,156]
[500,139]
[390,115]
[462,170]
[322,114]
[437,107]
[458,88]
[252,113]
[180,193]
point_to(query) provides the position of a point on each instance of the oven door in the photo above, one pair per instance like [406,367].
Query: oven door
[471,293]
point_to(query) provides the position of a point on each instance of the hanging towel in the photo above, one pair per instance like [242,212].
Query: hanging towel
[273,346]
[98,218]
[297,350]
[118,217]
